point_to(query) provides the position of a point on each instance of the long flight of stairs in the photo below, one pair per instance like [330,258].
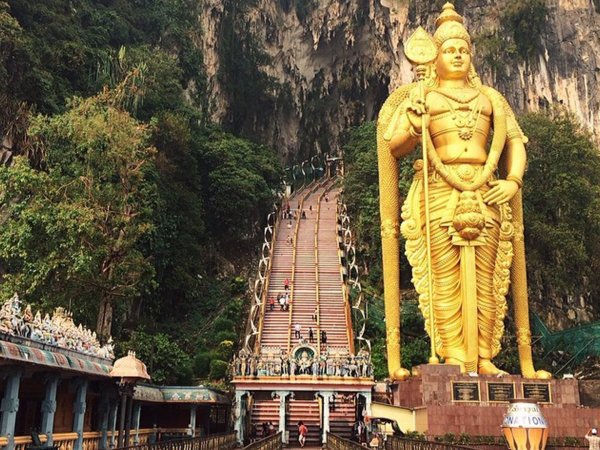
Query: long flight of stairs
[311,263]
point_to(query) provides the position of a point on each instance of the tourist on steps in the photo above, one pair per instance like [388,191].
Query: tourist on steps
[297,330]
[281,300]
[323,337]
[287,301]
[271,303]
[286,284]
[302,432]
[311,336]
[314,316]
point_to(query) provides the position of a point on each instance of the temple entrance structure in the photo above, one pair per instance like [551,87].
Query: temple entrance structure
[54,380]
[300,361]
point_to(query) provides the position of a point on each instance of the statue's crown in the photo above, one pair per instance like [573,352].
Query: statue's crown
[449,25]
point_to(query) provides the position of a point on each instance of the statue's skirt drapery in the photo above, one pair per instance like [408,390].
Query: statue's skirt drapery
[471,252]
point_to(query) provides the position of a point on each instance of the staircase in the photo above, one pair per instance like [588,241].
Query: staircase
[342,417]
[307,411]
[311,263]
[332,312]
[265,410]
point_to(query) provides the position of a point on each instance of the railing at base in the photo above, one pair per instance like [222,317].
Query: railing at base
[268,443]
[335,442]
[215,442]
[398,443]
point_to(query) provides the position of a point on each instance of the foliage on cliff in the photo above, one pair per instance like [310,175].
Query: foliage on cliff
[124,194]
[562,188]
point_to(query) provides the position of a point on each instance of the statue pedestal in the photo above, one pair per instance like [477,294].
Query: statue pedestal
[442,400]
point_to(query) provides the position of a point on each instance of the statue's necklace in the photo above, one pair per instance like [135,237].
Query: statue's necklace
[464,99]
[465,121]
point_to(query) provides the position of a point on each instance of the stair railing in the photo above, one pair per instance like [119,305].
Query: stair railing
[352,287]
[335,442]
[261,284]
[273,442]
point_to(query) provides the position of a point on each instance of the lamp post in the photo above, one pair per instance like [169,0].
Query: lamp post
[127,371]
[524,425]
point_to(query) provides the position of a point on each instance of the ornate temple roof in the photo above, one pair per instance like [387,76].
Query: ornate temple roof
[28,352]
[179,394]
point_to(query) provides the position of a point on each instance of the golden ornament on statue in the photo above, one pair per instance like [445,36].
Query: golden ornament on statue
[461,222]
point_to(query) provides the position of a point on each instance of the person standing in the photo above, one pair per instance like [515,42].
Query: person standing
[286,284]
[323,337]
[302,432]
[311,336]
[314,316]
[593,438]
[271,303]
[297,330]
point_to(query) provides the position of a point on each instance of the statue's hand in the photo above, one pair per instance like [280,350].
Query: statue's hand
[501,192]
[415,112]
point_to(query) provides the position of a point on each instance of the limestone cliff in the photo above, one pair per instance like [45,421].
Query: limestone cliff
[331,63]
[296,73]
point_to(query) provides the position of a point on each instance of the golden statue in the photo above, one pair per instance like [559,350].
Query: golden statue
[462,218]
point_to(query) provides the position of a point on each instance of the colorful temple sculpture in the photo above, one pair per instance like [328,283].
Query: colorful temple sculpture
[304,359]
[55,381]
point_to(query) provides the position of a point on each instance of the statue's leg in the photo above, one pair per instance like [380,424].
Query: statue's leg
[447,295]
[489,312]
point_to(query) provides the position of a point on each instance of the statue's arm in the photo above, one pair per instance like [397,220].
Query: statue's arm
[515,160]
[405,137]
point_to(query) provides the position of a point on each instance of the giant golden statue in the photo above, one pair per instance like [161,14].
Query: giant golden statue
[462,218]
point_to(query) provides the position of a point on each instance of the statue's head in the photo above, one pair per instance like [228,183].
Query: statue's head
[454,45]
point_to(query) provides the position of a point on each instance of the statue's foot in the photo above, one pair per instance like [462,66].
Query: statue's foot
[542,375]
[400,374]
[456,362]
[487,368]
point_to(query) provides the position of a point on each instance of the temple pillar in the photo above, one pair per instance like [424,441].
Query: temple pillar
[10,406]
[103,414]
[193,410]
[112,423]
[240,415]
[326,395]
[79,412]
[368,400]
[282,399]
[137,412]
[49,407]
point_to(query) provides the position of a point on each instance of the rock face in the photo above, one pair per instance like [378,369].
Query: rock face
[295,74]
[331,63]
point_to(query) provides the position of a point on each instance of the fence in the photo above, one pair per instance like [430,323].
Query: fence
[216,442]
[269,443]
[398,443]
[335,442]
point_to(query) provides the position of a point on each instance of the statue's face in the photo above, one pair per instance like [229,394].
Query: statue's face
[454,59]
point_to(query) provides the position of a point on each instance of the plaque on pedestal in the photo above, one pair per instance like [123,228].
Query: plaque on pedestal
[465,391]
[500,392]
[539,392]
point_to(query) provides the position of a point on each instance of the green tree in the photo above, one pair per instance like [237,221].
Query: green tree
[166,362]
[71,233]
[561,207]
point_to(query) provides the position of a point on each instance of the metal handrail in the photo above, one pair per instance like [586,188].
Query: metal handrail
[400,443]
[223,441]
[273,442]
[335,442]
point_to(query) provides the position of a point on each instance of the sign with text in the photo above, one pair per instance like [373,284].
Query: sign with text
[465,391]
[537,391]
[500,392]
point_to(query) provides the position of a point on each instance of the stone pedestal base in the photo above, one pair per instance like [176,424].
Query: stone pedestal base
[450,402]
